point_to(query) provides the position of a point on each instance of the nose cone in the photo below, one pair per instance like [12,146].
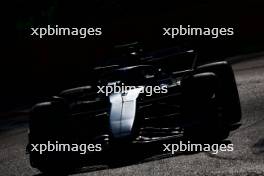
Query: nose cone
[123,112]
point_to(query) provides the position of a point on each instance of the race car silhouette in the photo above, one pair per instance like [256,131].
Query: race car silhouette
[160,95]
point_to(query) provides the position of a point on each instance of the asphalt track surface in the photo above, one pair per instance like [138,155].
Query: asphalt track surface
[246,159]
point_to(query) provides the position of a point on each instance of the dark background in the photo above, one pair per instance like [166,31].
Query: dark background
[33,68]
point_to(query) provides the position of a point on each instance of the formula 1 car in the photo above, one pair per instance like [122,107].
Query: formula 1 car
[139,97]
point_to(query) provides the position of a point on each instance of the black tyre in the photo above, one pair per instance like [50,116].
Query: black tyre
[47,123]
[219,109]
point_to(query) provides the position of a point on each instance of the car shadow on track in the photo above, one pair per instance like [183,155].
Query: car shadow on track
[258,148]
[128,154]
